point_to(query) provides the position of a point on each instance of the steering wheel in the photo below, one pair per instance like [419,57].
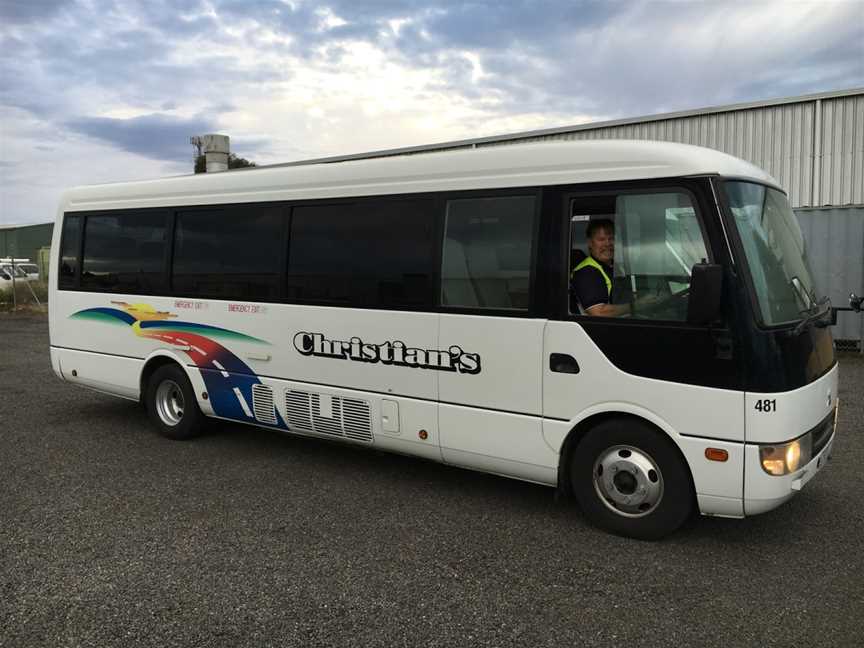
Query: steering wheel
[664,303]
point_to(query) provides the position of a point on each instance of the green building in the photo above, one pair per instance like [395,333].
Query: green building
[27,242]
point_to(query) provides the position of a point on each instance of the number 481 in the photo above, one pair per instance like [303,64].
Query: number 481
[766,405]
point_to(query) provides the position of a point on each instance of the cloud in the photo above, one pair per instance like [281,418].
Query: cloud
[290,79]
[20,12]
[655,57]
[161,137]
[561,56]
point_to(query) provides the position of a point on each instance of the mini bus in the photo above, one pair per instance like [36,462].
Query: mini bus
[424,305]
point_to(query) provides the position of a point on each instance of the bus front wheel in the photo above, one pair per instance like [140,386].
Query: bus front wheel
[630,479]
[171,404]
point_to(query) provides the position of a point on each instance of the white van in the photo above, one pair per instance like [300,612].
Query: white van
[8,270]
[31,270]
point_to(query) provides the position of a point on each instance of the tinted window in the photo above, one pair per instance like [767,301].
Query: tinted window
[125,253]
[70,244]
[232,253]
[370,253]
[486,261]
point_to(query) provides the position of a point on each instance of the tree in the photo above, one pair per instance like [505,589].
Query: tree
[234,162]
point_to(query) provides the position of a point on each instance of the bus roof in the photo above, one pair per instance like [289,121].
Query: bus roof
[493,167]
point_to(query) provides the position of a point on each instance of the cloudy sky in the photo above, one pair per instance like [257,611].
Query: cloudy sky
[105,90]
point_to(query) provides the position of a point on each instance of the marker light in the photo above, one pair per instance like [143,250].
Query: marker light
[782,459]
[716,454]
[793,456]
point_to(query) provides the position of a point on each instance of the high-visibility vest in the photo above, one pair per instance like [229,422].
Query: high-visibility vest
[590,262]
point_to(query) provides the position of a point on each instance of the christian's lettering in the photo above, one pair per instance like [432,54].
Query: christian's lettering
[389,353]
[303,343]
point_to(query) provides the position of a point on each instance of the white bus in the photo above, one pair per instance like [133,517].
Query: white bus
[424,305]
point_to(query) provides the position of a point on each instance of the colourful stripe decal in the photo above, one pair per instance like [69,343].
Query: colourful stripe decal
[229,386]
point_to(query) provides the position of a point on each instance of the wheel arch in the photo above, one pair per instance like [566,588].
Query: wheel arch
[155,360]
[585,425]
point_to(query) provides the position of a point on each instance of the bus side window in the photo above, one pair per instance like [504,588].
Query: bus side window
[367,253]
[70,244]
[231,252]
[118,255]
[486,256]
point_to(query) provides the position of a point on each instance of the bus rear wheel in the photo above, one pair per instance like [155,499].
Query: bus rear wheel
[171,404]
[630,479]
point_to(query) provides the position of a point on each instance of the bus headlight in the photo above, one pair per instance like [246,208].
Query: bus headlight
[782,459]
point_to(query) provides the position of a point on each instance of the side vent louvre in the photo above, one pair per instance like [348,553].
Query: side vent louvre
[348,418]
[331,425]
[262,404]
[297,407]
[356,420]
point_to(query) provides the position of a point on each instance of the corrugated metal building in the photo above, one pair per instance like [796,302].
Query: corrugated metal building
[813,145]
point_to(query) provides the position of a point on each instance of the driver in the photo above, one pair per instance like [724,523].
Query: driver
[591,280]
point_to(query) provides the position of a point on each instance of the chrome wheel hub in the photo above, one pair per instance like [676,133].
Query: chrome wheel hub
[628,481]
[169,402]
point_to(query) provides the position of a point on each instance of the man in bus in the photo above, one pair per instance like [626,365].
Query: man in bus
[591,279]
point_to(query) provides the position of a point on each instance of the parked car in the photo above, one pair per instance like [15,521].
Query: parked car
[6,272]
[30,269]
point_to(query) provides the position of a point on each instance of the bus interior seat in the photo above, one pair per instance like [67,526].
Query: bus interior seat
[474,276]
[456,284]
[577,256]
[487,276]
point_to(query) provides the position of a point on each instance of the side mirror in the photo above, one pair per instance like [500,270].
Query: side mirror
[855,302]
[706,293]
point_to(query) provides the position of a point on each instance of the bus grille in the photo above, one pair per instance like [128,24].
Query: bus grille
[822,432]
[348,418]
[262,404]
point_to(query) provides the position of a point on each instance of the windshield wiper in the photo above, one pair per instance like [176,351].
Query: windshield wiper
[816,314]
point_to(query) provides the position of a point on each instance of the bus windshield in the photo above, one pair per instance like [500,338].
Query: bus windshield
[774,247]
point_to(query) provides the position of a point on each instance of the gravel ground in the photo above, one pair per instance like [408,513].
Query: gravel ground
[113,536]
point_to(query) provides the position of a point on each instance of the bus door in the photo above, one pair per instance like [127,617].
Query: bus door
[638,353]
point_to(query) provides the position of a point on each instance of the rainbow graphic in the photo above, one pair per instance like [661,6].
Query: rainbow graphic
[228,379]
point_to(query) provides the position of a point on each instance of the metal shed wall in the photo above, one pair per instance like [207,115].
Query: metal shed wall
[841,168]
[795,141]
[835,249]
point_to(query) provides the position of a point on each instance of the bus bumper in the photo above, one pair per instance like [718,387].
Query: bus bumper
[55,363]
[763,492]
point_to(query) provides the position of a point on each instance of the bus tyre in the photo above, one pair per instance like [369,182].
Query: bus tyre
[630,479]
[171,404]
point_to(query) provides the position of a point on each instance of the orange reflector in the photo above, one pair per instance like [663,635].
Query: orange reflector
[423,434]
[716,454]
